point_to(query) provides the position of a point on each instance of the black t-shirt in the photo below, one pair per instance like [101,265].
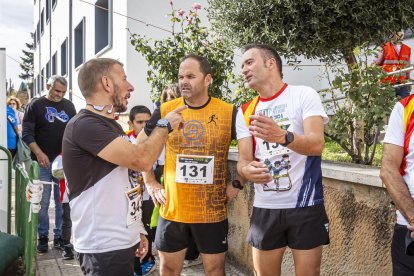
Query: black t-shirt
[85,136]
[44,123]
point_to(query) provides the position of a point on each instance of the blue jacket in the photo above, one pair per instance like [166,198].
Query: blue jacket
[11,125]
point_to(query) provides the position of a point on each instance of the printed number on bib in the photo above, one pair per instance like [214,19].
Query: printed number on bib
[195,169]
[134,205]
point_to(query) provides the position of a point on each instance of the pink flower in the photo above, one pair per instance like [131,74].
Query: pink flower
[171,2]
[196,6]
[180,12]
[190,20]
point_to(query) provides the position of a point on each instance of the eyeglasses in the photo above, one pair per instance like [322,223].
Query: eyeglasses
[13,103]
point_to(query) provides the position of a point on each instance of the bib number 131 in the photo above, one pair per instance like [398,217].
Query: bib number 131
[194,169]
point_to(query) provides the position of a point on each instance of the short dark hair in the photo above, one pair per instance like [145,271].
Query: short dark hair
[205,66]
[91,73]
[138,109]
[267,51]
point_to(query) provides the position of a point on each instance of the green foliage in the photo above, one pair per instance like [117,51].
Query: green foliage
[360,102]
[163,56]
[334,152]
[27,61]
[324,29]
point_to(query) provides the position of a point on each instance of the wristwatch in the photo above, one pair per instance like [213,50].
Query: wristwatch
[164,123]
[289,137]
[236,184]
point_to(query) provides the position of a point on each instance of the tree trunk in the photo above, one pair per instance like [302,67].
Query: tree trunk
[358,136]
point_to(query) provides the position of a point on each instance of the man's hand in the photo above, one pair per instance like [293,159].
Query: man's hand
[157,193]
[231,192]
[142,249]
[43,160]
[175,118]
[257,172]
[411,228]
[266,128]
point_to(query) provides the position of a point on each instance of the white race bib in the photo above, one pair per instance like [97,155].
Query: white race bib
[195,169]
[134,205]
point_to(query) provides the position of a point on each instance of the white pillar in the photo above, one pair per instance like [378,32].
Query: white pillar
[3,142]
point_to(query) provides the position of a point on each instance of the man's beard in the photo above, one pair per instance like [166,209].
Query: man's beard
[117,101]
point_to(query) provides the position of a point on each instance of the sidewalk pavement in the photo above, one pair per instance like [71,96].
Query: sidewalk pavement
[52,263]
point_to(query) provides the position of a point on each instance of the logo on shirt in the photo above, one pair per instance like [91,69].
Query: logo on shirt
[52,113]
[212,119]
[193,130]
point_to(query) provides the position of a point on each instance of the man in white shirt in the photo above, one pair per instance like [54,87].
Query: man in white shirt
[280,136]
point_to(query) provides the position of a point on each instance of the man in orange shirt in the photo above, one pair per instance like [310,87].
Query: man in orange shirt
[395,56]
[195,194]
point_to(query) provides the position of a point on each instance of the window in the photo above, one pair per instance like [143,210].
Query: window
[38,32]
[47,10]
[54,64]
[54,4]
[47,70]
[80,43]
[64,58]
[42,81]
[42,19]
[34,38]
[34,87]
[103,25]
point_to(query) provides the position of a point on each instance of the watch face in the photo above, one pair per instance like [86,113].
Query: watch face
[289,137]
[162,122]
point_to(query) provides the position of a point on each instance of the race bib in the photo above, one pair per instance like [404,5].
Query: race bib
[195,169]
[134,205]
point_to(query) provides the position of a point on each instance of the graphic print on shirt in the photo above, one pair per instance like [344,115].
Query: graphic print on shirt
[52,113]
[136,188]
[275,156]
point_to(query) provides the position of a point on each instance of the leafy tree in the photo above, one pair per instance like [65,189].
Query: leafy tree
[322,29]
[163,56]
[331,31]
[356,97]
[27,63]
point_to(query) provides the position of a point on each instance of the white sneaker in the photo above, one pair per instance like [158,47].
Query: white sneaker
[188,263]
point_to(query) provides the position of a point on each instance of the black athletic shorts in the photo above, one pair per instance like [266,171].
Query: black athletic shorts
[210,238]
[402,264]
[118,262]
[298,228]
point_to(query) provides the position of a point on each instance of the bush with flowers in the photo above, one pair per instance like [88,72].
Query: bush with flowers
[187,36]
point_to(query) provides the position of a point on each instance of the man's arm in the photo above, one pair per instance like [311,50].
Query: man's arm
[143,155]
[310,143]
[390,174]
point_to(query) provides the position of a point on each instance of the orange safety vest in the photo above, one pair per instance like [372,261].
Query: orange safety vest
[393,62]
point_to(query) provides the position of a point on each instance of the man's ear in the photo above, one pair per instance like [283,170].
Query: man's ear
[208,80]
[106,83]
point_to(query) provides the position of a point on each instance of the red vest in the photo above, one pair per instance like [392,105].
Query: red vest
[393,62]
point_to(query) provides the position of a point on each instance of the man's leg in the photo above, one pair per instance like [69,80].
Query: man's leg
[268,262]
[214,264]
[43,227]
[171,263]
[308,232]
[308,262]
[171,240]
[58,211]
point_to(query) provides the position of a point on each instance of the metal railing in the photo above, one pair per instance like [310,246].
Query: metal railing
[25,228]
[9,185]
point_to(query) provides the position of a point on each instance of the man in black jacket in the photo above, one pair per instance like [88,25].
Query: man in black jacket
[43,126]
